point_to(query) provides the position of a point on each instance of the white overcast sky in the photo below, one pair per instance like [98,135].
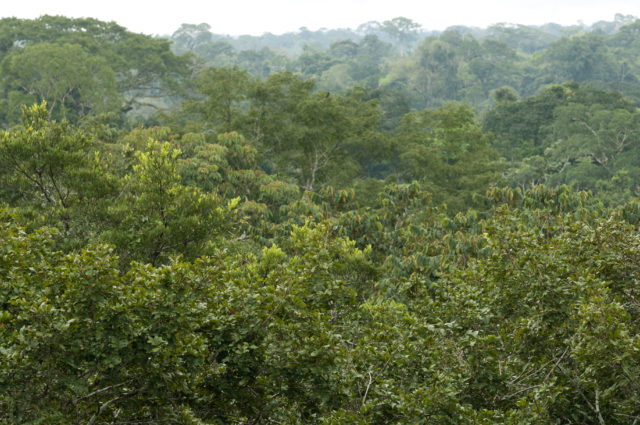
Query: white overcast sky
[278,16]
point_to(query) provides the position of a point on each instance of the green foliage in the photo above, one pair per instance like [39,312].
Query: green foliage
[225,88]
[459,64]
[581,58]
[528,301]
[83,67]
[73,82]
[447,150]
[308,135]
[156,217]
[572,135]
[50,170]
[276,253]
[80,343]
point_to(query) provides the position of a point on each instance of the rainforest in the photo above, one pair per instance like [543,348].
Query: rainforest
[379,225]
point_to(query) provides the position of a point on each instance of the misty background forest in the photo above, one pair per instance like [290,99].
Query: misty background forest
[380,225]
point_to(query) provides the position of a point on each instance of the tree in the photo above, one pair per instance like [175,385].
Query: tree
[313,63]
[230,169]
[549,287]
[53,171]
[328,127]
[521,127]
[149,74]
[157,217]
[595,138]
[73,82]
[568,134]
[523,38]
[80,343]
[435,72]
[274,102]
[224,89]
[447,151]
[189,36]
[402,30]
[146,72]
[583,58]
[219,53]
[494,66]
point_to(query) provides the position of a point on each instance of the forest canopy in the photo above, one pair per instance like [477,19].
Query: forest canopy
[365,226]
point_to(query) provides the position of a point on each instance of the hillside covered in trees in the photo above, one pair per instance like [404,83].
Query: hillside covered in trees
[370,226]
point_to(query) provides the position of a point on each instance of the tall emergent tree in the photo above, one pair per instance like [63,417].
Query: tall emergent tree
[51,169]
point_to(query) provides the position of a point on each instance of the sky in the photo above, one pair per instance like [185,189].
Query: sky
[255,17]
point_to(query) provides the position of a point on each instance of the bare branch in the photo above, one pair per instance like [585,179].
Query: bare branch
[597,409]
[101,390]
[364,399]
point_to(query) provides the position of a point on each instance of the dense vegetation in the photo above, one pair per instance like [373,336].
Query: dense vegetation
[390,227]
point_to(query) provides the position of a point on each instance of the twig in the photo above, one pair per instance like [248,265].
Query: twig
[636,418]
[103,390]
[115,416]
[364,399]
[556,365]
[106,404]
[543,381]
[520,391]
[597,409]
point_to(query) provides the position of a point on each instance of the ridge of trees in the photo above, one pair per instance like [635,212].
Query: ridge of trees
[431,68]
